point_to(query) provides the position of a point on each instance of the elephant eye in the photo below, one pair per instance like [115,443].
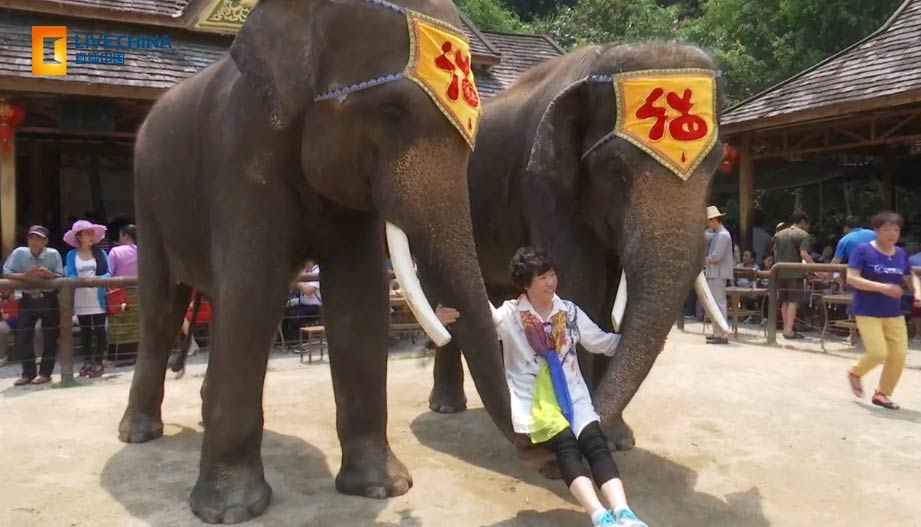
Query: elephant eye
[393,111]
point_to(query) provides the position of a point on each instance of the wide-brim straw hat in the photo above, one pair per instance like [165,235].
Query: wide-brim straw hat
[99,232]
[713,212]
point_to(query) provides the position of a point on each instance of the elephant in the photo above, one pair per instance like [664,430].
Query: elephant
[549,173]
[302,143]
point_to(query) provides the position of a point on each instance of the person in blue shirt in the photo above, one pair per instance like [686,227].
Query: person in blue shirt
[877,272]
[915,261]
[854,235]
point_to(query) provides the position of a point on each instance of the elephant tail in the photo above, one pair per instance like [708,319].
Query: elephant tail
[178,365]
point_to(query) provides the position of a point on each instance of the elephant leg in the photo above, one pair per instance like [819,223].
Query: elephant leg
[447,396]
[231,484]
[163,304]
[355,311]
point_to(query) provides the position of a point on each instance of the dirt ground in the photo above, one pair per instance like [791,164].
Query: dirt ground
[735,436]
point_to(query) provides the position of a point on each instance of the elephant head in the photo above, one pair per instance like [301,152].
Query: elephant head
[640,206]
[384,126]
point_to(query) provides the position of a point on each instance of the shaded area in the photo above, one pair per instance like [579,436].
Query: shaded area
[152,481]
[660,489]
[903,414]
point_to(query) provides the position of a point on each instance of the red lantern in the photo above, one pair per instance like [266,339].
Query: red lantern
[11,116]
[729,158]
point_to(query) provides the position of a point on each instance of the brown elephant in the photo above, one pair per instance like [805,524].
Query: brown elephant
[549,172]
[304,142]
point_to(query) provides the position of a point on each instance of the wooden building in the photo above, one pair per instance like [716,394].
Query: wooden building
[861,105]
[66,140]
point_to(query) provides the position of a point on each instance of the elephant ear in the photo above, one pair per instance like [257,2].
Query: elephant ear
[274,51]
[555,152]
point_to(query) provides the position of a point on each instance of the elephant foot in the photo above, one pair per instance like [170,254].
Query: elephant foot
[620,435]
[446,401]
[137,427]
[364,477]
[230,501]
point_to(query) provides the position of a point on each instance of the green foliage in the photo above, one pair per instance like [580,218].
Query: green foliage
[757,43]
[760,43]
[597,21]
[491,15]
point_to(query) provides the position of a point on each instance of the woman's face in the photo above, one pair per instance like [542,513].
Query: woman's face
[889,233]
[748,258]
[768,261]
[543,286]
[86,239]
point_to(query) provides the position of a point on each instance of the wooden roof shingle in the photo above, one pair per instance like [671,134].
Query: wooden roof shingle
[883,65]
[519,53]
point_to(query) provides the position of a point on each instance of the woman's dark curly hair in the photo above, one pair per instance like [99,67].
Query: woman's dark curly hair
[527,263]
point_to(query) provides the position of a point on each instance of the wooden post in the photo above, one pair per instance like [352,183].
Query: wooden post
[888,183]
[772,308]
[8,198]
[746,193]
[66,338]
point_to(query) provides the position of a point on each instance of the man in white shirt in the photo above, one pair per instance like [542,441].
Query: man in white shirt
[719,266]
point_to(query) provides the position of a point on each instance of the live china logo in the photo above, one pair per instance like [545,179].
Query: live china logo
[90,48]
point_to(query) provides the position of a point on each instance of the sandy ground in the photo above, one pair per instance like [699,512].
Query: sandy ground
[735,436]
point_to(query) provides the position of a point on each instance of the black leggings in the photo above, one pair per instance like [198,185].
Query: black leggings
[91,325]
[593,446]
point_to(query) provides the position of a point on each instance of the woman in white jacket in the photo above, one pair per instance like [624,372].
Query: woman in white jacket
[550,400]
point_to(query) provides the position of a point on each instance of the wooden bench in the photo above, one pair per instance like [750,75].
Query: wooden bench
[736,308]
[314,337]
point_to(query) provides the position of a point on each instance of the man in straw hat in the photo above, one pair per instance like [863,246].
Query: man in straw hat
[719,266]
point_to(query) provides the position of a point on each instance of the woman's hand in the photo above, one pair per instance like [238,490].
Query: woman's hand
[447,315]
[891,290]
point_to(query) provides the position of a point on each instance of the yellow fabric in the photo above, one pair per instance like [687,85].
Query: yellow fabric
[546,417]
[886,341]
[440,63]
[670,114]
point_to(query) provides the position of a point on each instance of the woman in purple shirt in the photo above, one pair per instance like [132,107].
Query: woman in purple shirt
[877,271]
[123,328]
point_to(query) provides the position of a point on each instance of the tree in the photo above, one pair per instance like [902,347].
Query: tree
[603,21]
[491,15]
[760,43]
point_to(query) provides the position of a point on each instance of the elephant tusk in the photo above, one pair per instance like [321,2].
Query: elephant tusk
[709,303]
[496,317]
[620,303]
[406,276]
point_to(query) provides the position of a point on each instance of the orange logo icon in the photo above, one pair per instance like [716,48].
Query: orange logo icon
[41,35]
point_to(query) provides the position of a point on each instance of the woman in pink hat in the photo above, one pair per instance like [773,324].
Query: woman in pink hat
[86,261]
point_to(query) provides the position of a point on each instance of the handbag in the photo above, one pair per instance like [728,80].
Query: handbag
[116,301]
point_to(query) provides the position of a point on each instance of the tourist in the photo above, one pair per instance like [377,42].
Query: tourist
[304,304]
[915,261]
[123,327]
[550,399]
[791,245]
[87,261]
[36,262]
[748,262]
[761,240]
[719,267]
[876,272]
[854,235]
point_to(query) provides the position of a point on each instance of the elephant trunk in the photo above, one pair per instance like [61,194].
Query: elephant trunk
[436,221]
[663,251]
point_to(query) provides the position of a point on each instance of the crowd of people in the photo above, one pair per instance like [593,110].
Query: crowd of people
[879,277]
[32,314]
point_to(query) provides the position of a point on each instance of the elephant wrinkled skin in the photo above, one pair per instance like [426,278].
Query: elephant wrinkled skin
[241,177]
[616,209]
